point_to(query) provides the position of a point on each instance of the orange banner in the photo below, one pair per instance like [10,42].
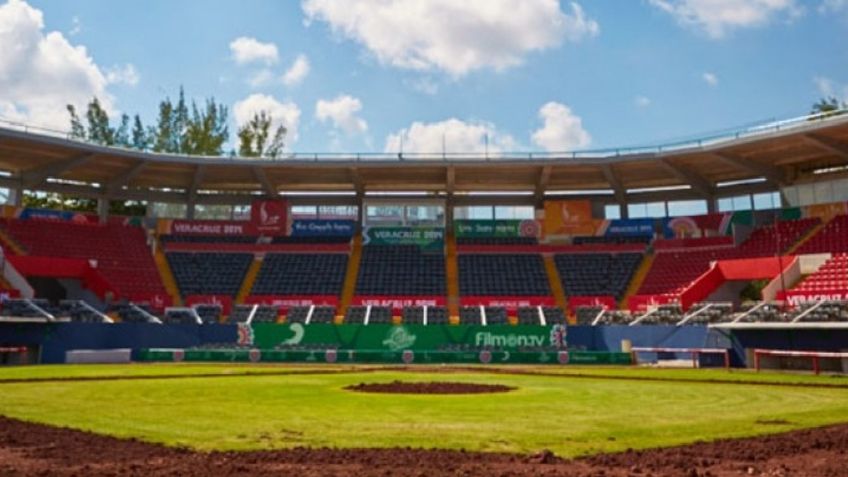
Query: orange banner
[569,217]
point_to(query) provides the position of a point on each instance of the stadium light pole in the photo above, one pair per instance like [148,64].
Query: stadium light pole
[779,260]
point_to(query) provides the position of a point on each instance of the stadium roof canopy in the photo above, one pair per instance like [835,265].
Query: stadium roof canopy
[755,159]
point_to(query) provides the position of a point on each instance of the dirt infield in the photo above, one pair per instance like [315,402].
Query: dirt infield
[430,387]
[30,449]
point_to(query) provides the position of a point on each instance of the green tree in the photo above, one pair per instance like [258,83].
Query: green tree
[140,139]
[206,130]
[828,106]
[122,133]
[161,134]
[99,130]
[253,137]
[77,129]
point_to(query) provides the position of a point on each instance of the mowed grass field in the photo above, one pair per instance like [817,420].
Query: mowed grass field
[240,407]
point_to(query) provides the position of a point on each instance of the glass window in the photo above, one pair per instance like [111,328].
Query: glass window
[637,211]
[514,212]
[338,212]
[655,209]
[725,204]
[168,211]
[791,194]
[805,195]
[304,211]
[684,208]
[484,212]
[612,211]
[840,190]
[213,212]
[742,202]
[767,201]
[823,192]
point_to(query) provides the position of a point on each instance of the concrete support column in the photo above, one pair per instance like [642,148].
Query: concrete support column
[360,212]
[449,206]
[103,209]
[712,204]
[190,209]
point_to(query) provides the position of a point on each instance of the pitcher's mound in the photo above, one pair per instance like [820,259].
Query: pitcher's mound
[433,387]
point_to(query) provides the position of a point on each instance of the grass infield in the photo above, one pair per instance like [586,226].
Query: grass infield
[596,412]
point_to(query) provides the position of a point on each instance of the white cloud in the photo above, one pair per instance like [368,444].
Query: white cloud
[285,113]
[76,26]
[830,6]
[562,130]
[125,74]
[451,36]
[642,101]
[41,72]
[451,136]
[828,88]
[717,17]
[423,85]
[297,72]
[341,111]
[261,77]
[710,78]
[250,50]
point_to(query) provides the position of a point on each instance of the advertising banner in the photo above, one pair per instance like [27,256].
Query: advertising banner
[288,301]
[225,301]
[397,303]
[511,303]
[630,228]
[497,228]
[408,337]
[322,228]
[48,214]
[570,217]
[427,238]
[605,301]
[803,297]
[205,227]
[269,216]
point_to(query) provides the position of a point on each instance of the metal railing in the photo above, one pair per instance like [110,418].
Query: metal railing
[699,142]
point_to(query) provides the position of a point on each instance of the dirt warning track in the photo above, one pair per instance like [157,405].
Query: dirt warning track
[28,449]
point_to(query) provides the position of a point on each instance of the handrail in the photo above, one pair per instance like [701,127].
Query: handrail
[699,142]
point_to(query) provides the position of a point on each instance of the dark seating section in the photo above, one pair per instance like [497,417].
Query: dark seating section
[308,240]
[529,315]
[179,316]
[470,315]
[496,315]
[497,241]
[380,315]
[592,240]
[400,270]
[414,315]
[321,314]
[133,313]
[597,274]
[587,314]
[209,314]
[301,274]
[208,238]
[264,314]
[22,308]
[209,273]
[355,315]
[502,275]
[78,312]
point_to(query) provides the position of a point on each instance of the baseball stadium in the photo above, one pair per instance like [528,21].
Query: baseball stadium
[678,309]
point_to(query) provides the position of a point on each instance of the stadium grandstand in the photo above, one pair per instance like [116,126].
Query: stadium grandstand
[587,239]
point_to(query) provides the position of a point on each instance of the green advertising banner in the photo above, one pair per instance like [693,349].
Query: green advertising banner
[428,238]
[405,337]
[496,228]
[377,356]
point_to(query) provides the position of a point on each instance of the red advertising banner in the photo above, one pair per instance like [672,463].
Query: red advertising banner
[803,297]
[225,301]
[398,302]
[637,303]
[606,301]
[511,303]
[288,301]
[158,302]
[269,217]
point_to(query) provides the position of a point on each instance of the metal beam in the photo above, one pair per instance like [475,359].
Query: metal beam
[691,178]
[773,174]
[615,184]
[195,183]
[450,180]
[124,178]
[356,179]
[262,178]
[830,145]
[35,177]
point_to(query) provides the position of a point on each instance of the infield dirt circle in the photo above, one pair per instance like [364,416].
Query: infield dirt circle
[429,387]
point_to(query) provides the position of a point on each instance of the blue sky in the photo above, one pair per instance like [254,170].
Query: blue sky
[529,75]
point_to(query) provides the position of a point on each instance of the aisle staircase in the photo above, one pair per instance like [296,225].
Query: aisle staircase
[637,280]
[555,282]
[9,243]
[167,276]
[452,278]
[350,277]
[249,280]
[810,233]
